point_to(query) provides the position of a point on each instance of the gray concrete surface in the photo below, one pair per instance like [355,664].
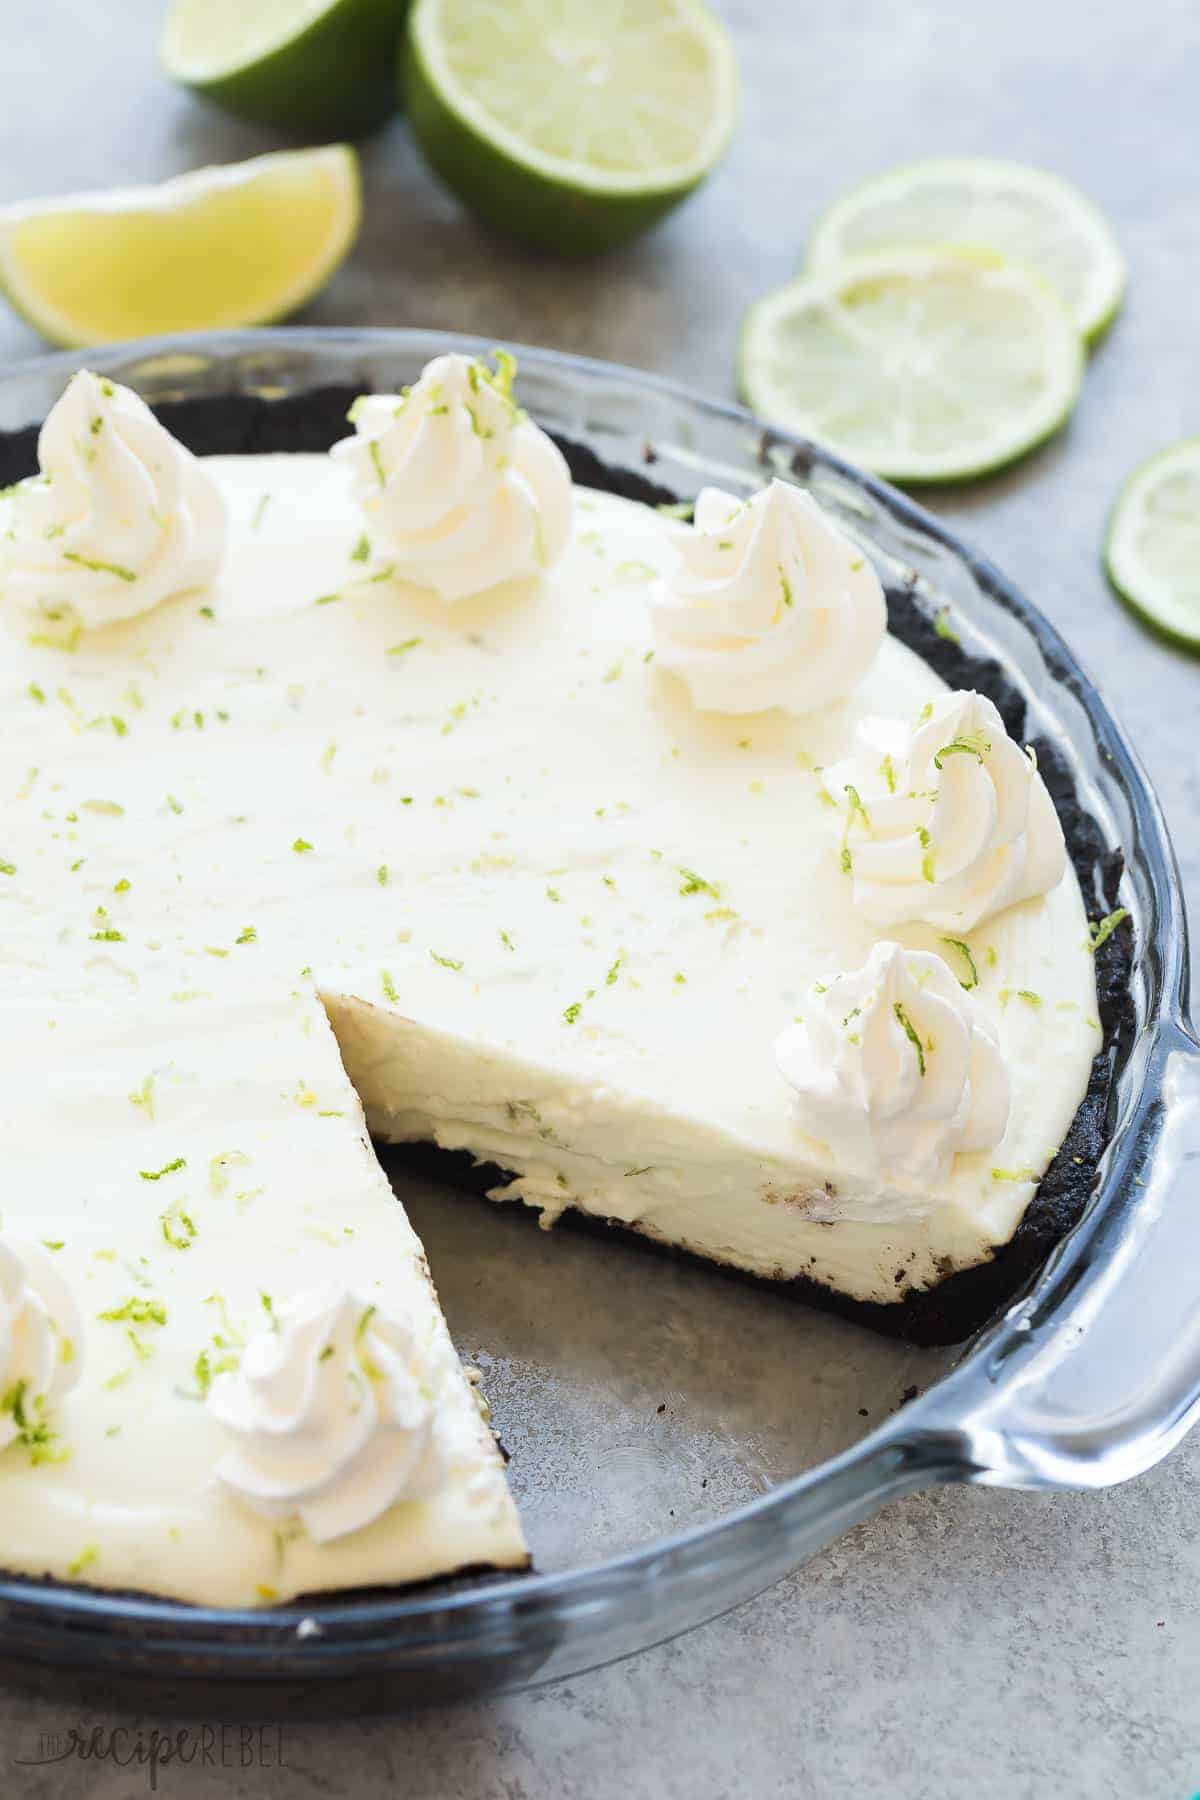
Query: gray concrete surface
[962,1644]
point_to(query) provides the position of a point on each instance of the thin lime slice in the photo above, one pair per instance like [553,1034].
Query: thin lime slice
[572,127]
[1023,214]
[922,365]
[1152,551]
[237,245]
[321,66]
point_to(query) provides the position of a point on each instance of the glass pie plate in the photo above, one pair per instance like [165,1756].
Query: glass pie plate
[679,1440]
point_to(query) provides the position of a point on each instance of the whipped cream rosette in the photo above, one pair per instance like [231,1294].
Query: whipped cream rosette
[121,516]
[771,605]
[894,1067]
[332,1413]
[461,490]
[945,821]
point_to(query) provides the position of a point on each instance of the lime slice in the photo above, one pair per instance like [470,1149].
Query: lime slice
[1022,214]
[572,127]
[321,66]
[238,245]
[1152,552]
[923,365]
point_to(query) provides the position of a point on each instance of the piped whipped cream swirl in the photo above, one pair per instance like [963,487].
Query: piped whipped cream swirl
[771,605]
[332,1413]
[461,490]
[41,1343]
[946,821]
[121,516]
[894,1068]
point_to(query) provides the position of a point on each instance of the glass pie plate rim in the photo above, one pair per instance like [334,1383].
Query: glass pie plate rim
[1091,1376]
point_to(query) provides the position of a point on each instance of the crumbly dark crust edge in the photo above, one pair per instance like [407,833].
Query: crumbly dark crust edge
[244,424]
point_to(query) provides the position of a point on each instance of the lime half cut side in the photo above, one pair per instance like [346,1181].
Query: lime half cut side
[322,66]
[1022,214]
[920,365]
[1152,552]
[243,244]
[571,126]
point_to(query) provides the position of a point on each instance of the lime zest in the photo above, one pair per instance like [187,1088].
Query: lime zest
[1100,930]
[97,566]
[964,951]
[911,1034]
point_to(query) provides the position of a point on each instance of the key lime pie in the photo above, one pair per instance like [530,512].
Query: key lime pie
[413,792]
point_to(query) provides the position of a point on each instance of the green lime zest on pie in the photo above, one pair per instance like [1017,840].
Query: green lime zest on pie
[854,809]
[964,951]
[33,1433]
[177,1227]
[180,1162]
[144,1097]
[1101,930]
[969,744]
[911,1034]
[97,567]
[135,1311]
[696,884]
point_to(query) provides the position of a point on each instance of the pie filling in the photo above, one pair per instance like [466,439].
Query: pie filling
[316,829]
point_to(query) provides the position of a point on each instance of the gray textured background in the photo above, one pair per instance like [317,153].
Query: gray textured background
[966,1644]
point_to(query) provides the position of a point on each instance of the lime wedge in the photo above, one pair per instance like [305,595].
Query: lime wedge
[574,126]
[237,245]
[1152,552]
[922,365]
[321,66]
[1023,214]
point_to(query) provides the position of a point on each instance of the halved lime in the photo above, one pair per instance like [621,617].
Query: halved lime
[238,245]
[1025,215]
[572,126]
[321,66]
[1152,551]
[924,365]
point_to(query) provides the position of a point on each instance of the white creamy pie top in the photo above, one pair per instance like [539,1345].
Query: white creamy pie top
[555,914]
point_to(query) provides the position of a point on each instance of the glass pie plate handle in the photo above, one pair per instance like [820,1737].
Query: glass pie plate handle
[1095,1376]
